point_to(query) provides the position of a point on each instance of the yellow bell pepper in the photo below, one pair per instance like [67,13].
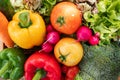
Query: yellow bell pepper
[27,29]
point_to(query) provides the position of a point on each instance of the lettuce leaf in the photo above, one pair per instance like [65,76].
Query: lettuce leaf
[106,21]
[46,7]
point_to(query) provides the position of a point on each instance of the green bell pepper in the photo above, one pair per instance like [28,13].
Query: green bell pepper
[12,63]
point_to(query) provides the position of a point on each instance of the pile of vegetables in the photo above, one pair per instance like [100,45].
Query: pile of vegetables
[59,40]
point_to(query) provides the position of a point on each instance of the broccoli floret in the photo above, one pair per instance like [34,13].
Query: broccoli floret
[100,62]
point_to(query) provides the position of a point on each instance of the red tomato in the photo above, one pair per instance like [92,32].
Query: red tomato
[72,72]
[66,18]
[64,69]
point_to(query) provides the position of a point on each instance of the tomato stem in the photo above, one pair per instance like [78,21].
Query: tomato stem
[63,57]
[61,20]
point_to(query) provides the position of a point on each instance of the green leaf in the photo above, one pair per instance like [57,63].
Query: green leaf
[106,21]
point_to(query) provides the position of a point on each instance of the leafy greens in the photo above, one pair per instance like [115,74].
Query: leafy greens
[106,21]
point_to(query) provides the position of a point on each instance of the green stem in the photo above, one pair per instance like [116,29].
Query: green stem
[61,20]
[25,21]
[39,74]
[62,57]
[51,2]
[5,68]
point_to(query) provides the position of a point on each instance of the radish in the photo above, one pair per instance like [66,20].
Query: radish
[97,34]
[47,47]
[94,40]
[84,33]
[53,37]
[50,28]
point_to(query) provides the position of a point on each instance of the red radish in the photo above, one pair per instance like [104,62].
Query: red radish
[50,28]
[53,37]
[84,33]
[97,34]
[47,47]
[94,40]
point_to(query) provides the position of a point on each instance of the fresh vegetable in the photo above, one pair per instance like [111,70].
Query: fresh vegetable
[100,62]
[64,69]
[53,37]
[65,17]
[50,28]
[1,45]
[44,7]
[106,21]
[4,36]
[10,7]
[6,8]
[27,29]
[94,40]
[40,61]
[12,63]
[97,34]
[47,47]
[68,51]
[83,33]
[86,5]
[70,72]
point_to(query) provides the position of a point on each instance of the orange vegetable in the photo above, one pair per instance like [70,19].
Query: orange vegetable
[68,51]
[4,36]
[1,46]
[65,17]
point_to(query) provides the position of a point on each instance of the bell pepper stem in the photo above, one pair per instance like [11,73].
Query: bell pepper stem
[4,68]
[25,21]
[39,74]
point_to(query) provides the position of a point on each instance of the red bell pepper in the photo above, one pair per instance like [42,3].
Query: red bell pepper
[42,66]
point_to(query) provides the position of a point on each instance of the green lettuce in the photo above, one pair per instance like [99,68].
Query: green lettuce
[106,21]
[46,7]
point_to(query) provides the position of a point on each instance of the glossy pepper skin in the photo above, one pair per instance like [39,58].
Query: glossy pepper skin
[27,29]
[41,60]
[12,63]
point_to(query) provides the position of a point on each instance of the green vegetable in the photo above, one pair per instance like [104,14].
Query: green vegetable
[46,7]
[106,21]
[9,7]
[100,62]
[6,8]
[43,7]
[12,63]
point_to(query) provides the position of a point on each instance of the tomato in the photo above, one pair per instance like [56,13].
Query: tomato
[65,17]
[72,72]
[68,51]
[64,69]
